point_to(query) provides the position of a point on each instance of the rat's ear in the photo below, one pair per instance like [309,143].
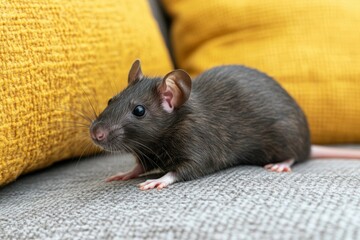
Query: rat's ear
[175,89]
[135,71]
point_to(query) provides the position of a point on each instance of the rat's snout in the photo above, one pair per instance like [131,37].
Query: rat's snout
[98,133]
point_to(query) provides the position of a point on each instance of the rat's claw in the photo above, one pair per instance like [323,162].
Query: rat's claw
[159,183]
[280,167]
[154,183]
[161,186]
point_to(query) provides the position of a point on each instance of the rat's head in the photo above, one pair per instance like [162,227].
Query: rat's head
[138,117]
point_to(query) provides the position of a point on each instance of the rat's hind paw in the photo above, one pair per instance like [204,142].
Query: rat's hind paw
[159,183]
[284,166]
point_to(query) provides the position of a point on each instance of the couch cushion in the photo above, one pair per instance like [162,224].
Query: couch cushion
[56,58]
[310,47]
[320,199]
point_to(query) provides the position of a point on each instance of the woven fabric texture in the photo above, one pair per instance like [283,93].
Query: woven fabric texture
[57,58]
[320,199]
[310,47]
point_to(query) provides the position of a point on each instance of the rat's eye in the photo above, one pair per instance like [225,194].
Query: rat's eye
[110,100]
[139,111]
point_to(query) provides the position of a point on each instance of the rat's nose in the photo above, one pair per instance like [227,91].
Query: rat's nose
[98,133]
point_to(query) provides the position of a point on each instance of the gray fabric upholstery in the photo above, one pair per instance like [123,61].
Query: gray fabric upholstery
[320,199]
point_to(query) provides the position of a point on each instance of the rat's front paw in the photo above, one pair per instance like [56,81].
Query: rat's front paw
[159,183]
[127,175]
[122,176]
[284,166]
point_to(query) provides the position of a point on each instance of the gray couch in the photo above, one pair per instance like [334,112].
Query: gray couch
[320,199]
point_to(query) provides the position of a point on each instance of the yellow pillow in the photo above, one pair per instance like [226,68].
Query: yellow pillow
[56,58]
[310,47]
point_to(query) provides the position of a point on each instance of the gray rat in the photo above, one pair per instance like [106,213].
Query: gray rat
[227,116]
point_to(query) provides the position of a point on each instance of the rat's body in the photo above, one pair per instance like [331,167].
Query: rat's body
[231,118]
[234,115]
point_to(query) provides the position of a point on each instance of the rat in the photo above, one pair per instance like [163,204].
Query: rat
[227,116]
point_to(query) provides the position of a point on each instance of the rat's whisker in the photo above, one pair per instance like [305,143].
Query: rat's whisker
[62,123]
[148,158]
[75,113]
[112,83]
[123,146]
[74,123]
[91,105]
[137,149]
[146,148]
[136,156]
[87,147]
[168,155]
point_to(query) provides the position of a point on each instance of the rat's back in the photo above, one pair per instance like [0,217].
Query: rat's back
[248,118]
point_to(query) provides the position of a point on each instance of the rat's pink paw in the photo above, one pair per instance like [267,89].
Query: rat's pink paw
[159,183]
[127,175]
[280,167]
[122,176]
[153,183]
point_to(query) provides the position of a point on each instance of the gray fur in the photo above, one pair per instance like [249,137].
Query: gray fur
[235,115]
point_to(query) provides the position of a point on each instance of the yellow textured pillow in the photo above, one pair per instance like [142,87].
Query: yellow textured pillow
[56,58]
[310,47]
